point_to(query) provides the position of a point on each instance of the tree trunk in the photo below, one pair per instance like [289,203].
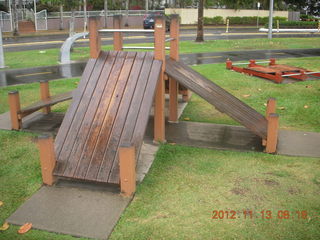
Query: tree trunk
[105,12]
[147,5]
[127,14]
[14,18]
[200,22]
[61,17]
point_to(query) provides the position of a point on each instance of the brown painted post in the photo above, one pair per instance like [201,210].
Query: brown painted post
[272,134]
[127,161]
[272,61]
[159,106]
[229,64]
[252,63]
[117,36]
[14,104]
[271,108]
[174,54]
[95,39]
[47,159]
[45,94]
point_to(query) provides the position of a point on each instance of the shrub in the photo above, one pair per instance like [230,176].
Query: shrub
[213,20]
[252,20]
[295,24]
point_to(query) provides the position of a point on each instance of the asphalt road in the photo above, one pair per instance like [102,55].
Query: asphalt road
[55,41]
[28,75]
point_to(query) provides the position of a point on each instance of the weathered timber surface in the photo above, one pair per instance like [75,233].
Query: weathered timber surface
[110,109]
[218,97]
[45,103]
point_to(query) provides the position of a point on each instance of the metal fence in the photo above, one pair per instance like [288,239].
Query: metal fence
[5,21]
[80,14]
[41,20]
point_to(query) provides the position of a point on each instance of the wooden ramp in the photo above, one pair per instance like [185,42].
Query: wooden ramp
[218,97]
[110,109]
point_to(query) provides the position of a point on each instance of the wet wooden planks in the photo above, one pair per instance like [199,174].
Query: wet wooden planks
[110,109]
[45,103]
[218,97]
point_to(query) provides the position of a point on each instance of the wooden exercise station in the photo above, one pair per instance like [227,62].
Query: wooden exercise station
[102,132]
[274,72]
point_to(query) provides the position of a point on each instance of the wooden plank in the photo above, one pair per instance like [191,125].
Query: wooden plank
[45,94]
[221,99]
[109,120]
[121,118]
[263,69]
[77,96]
[84,130]
[132,115]
[285,68]
[142,116]
[45,103]
[77,116]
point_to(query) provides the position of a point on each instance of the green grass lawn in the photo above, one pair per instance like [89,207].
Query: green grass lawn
[291,98]
[183,188]
[51,56]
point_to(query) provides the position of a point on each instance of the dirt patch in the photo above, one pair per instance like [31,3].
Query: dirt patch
[294,191]
[270,182]
[239,191]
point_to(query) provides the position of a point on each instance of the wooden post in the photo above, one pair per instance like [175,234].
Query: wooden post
[47,159]
[95,39]
[229,64]
[14,104]
[159,106]
[127,161]
[271,108]
[252,63]
[272,134]
[174,54]
[272,61]
[117,36]
[45,94]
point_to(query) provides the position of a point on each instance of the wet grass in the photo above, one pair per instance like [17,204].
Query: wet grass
[51,56]
[185,185]
[183,188]
[298,103]
[30,93]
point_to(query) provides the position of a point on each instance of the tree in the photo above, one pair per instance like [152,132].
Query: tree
[14,18]
[200,22]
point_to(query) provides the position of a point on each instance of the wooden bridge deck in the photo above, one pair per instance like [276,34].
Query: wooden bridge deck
[110,109]
[218,97]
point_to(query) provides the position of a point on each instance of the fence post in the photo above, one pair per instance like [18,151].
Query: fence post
[272,133]
[117,36]
[95,40]
[252,63]
[45,94]
[229,64]
[227,29]
[127,162]
[271,108]
[272,61]
[14,105]
[159,106]
[47,159]
[174,54]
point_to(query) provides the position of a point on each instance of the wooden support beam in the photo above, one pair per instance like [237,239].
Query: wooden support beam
[127,162]
[174,54]
[272,61]
[252,63]
[45,94]
[271,108]
[14,105]
[117,36]
[95,39]
[159,108]
[47,159]
[272,137]
[229,64]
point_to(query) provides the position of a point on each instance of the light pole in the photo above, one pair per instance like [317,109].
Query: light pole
[270,19]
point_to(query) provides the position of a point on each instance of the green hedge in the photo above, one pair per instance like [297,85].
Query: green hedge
[252,20]
[213,21]
[295,24]
[218,20]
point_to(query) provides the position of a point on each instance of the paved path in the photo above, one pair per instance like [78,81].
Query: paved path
[28,75]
